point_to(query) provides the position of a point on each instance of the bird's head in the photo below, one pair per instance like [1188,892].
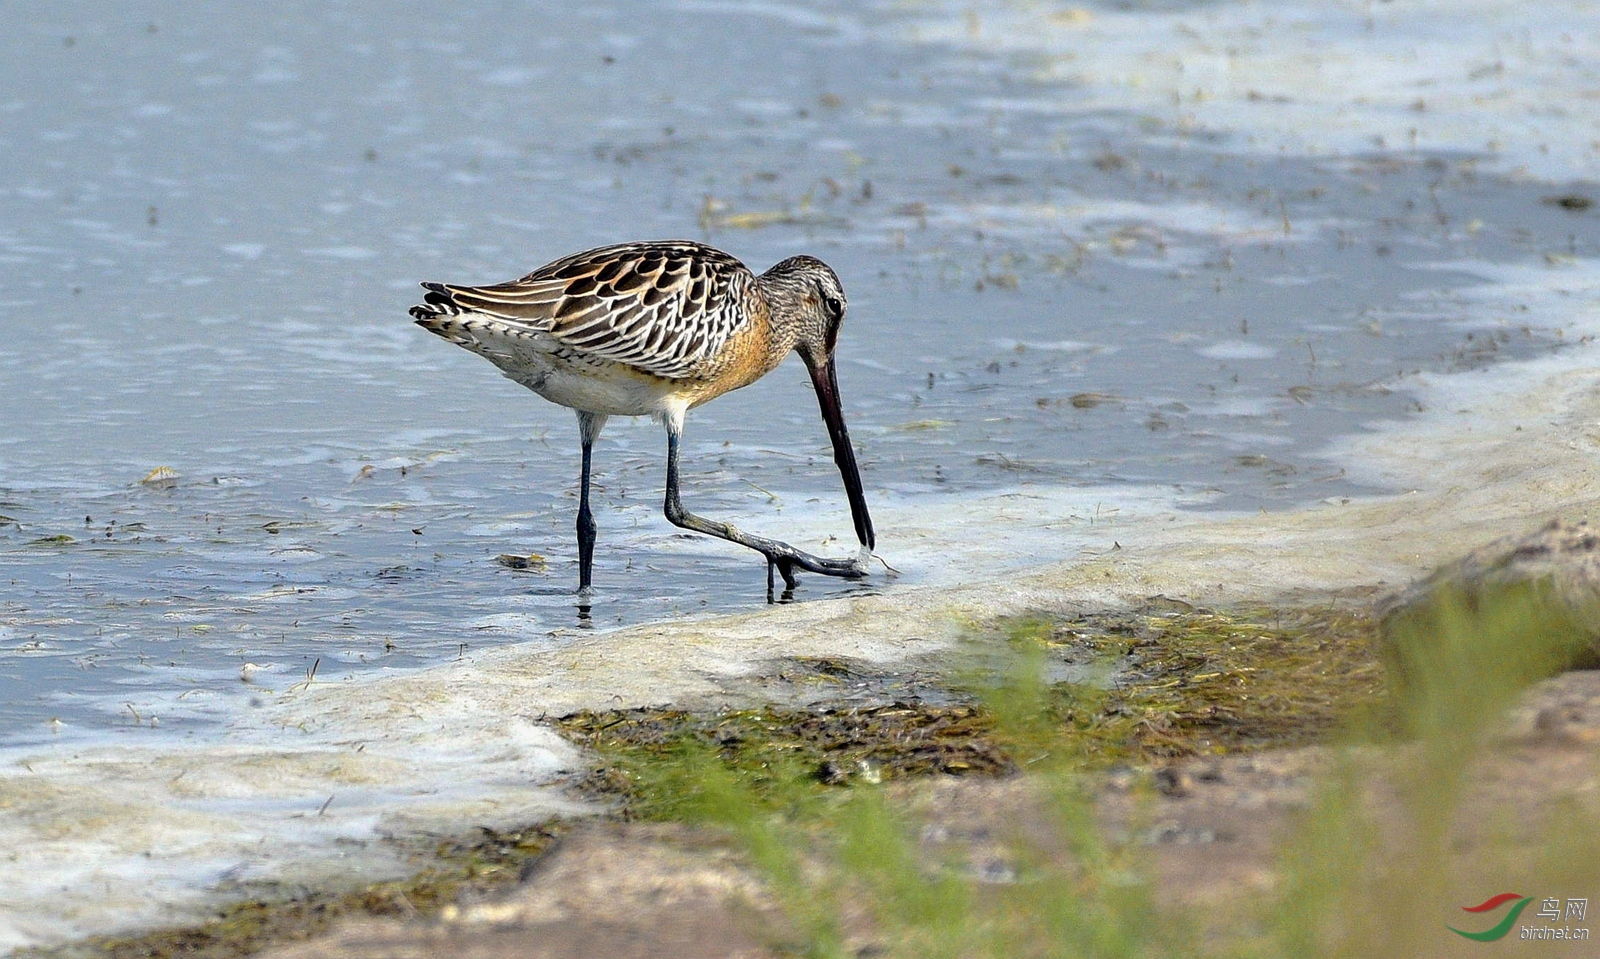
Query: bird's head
[807,293]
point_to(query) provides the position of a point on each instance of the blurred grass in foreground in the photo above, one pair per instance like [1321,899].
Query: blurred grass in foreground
[1369,869]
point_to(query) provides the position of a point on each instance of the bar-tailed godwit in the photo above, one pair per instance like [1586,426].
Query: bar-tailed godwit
[658,328]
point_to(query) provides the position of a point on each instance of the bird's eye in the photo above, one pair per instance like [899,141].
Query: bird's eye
[835,307]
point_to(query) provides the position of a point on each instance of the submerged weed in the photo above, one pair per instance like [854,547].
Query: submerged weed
[1165,684]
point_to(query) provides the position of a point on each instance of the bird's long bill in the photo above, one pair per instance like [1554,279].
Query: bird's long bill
[826,380]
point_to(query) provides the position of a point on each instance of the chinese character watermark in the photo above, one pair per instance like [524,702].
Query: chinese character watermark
[1557,917]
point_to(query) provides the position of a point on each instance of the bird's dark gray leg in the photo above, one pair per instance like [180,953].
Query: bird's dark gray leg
[785,558]
[586,527]
[589,426]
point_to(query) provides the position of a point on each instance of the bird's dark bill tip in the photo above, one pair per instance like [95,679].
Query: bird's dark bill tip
[825,378]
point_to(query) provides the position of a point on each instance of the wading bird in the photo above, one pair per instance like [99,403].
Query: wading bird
[658,328]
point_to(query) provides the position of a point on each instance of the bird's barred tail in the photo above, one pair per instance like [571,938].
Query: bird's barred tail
[438,302]
[438,312]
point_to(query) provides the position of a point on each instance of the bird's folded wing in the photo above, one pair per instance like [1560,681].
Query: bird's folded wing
[663,308]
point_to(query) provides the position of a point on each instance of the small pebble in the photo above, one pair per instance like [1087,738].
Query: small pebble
[1173,782]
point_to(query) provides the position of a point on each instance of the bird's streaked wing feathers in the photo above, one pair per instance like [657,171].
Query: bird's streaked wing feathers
[664,307]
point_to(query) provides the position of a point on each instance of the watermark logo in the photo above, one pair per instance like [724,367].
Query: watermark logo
[1550,910]
[1500,929]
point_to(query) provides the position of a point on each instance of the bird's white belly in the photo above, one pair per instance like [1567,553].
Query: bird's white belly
[561,375]
[580,382]
[621,393]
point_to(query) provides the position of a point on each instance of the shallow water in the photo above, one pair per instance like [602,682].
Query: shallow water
[1119,249]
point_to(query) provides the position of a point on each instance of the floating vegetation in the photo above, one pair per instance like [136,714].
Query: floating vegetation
[714,213]
[531,563]
[162,477]
[277,526]
[1088,401]
[1012,464]
[60,539]
[1576,202]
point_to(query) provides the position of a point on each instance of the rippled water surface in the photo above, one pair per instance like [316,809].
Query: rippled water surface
[210,229]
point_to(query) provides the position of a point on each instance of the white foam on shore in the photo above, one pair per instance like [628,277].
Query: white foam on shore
[140,828]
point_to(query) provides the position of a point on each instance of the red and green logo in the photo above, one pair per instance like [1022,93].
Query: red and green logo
[1489,905]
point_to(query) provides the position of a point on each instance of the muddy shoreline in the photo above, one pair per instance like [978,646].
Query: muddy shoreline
[1206,742]
[1175,682]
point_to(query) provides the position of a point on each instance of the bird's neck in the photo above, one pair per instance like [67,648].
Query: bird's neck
[782,297]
